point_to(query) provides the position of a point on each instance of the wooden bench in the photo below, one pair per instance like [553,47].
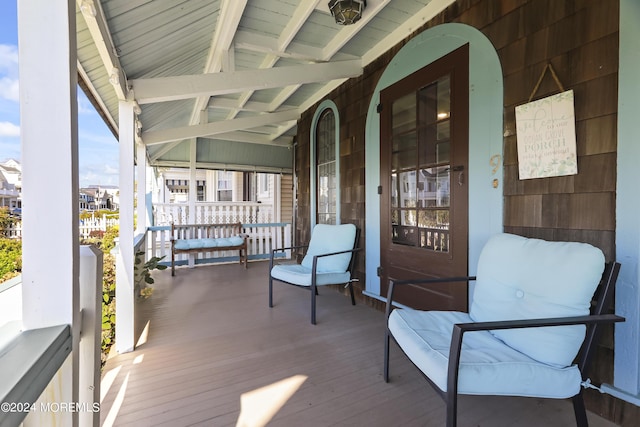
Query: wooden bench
[190,238]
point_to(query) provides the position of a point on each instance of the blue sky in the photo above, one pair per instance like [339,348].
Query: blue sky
[98,148]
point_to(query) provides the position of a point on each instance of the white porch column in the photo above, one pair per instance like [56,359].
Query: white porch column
[141,194]
[125,297]
[193,185]
[277,198]
[211,186]
[49,135]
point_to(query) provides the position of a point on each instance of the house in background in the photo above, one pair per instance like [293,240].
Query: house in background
[11,185]
[219,186]
[96,197]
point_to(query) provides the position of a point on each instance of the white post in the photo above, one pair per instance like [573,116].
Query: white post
[141,194]
[49,136]
[211,186]
[91,336]
[125,298]
[193,185]
[193,192]
[277,199]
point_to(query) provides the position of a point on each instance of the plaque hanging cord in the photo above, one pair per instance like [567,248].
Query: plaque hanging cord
[555,78]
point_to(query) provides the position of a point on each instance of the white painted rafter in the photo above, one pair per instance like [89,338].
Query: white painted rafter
[255,138]
[334,46]
[349,31]
[208,129]
[99,30]
[226,27]
[299,17]
[255,106]
[163,89]
[219,166]
[270,46]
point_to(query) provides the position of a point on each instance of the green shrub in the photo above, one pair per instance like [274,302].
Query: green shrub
[108,239]
[10,258]
[108,304]
[98,214]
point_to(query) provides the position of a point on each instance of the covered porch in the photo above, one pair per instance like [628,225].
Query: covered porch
[202,360]
[258,75]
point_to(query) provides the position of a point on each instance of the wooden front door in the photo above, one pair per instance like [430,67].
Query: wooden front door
[424,188]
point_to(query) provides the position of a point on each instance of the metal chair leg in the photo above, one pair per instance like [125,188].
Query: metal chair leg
[270,290]
[452,408]
[386,356]
[353,298]
[579,410]
[314,290]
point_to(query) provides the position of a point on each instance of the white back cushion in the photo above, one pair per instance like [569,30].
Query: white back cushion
[327,238]
[520,278]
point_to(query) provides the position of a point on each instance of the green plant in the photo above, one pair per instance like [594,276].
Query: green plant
[142,270]
[108,304]
[10,258]
[6,220]
[108,239]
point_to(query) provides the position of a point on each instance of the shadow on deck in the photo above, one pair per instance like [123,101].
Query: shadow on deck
[216,355]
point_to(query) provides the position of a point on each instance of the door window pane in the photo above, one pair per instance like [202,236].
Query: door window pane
[420,167]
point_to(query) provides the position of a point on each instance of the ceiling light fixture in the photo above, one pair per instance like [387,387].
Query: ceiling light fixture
[347,12]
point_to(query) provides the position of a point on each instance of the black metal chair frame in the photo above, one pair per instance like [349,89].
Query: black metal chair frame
[593,321]
[314,288]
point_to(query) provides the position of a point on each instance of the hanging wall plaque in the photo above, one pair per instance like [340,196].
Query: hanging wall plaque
[547,137]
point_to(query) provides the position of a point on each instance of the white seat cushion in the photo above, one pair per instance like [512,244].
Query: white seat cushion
[185,244]
[301,275]
[487,365]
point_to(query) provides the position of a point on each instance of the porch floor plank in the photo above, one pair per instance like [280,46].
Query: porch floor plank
[217,355]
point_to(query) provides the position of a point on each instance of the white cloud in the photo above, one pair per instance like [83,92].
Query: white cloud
[92,174]
[84,106]
[9,129]
[9,59]
[9,89]
[9,72]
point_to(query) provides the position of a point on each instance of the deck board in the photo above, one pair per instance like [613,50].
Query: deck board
[213,340]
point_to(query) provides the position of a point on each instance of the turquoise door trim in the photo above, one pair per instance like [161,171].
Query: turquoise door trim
[626,373]
[326,104]
[485,136]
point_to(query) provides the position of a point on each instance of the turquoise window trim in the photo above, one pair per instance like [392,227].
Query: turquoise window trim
[485,135]
[324,105]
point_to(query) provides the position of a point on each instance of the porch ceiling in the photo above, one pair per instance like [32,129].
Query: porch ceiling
[229,73]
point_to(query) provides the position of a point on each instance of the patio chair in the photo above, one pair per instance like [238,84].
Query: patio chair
[329,260]
[529,318]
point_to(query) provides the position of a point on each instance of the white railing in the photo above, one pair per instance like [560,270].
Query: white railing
[261,239]
[13,230]
[213,212]
[87,226]
[11,300]
[96,224]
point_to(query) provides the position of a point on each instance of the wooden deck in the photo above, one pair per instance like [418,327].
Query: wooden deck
[217,355]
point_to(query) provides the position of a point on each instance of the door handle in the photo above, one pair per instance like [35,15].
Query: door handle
[460,170]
